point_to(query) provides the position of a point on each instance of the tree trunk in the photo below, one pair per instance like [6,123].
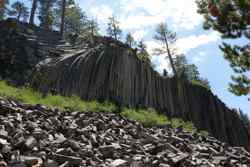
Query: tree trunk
[63,17]
[47,8]
[33,11]
[19,15]
[170,56]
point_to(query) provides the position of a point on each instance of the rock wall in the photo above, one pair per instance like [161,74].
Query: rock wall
[112,72]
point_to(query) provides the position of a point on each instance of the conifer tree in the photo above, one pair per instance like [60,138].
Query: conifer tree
[167,39]
[92,27]
[3,7]
[244,117]
[142,52]
[74,20]
[189,72]
[19,10]
[232,19]
[113,29]
[130,40]
[46,13]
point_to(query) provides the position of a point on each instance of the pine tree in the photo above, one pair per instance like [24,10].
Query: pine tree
[113,29]
[130,40]
[232,19]
[33,11]
[46,13]
[92,27]
[75,20]
[244,117]
[3,7]
[189,72]
[19,10]
[142,52]
[166,38]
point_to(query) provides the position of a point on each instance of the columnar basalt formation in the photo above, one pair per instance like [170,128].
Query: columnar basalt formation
[110,70]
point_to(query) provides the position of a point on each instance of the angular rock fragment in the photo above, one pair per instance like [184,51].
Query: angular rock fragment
[119,163]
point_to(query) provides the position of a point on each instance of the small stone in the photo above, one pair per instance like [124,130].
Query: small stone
[119,163]
[51,163]
[3,134]
[3,164]
[74,145]
[163,165]
[31,161]
[3,142]
[65,164]
[179,158]
[30,143]
[71,159]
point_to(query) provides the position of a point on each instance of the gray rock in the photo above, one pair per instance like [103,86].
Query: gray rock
[30,143]
[119,163]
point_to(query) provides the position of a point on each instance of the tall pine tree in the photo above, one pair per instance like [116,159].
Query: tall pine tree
[46,13]
[19,10]
[3,8]
[113,29]
[74,20]
[232,19]
[130,40]
[166,38]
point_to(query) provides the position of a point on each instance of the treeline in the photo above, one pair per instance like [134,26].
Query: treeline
[67,17]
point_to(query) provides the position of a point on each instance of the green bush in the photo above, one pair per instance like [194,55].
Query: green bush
[73,103]
[147,117]
[200,84]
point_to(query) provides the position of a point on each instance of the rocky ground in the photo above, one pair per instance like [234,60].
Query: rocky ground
[39,136]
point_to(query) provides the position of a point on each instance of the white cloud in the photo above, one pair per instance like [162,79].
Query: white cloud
[102,13]
[182,13]
[139,34]
[140,21]
[187,43]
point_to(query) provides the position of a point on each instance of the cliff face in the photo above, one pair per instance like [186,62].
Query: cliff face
[111,71]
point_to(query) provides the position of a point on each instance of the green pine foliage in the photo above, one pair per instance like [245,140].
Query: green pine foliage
[142,53]
[113,29]
[232,19]
[19,10]
[189,72]
[167,40]
[3,8]
[130,40]
[244,117]
[46,16]
[75,19]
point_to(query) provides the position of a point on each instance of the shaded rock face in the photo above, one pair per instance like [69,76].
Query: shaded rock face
[41,136]
[21,47]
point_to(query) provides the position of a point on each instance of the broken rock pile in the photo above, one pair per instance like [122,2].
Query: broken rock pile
[41,136]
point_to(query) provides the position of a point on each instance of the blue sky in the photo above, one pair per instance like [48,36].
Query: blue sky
[140,17]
